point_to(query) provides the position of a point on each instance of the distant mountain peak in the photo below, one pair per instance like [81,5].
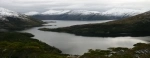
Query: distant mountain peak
[6,12]
[82,12]
[70,12]
[32,13]
[55,12]
[122,11]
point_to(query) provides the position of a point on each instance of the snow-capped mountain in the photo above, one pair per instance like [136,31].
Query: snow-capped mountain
[111,12]
[122,12]
[82,12]
[115,13]
[70,12]
[14,20]
[32,13]
[55,12]
[6,12]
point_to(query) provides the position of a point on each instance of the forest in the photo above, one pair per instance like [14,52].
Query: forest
[140,50]
[21,45]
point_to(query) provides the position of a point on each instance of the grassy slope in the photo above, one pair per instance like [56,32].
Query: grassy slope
[138,25]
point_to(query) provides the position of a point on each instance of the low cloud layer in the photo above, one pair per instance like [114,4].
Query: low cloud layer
[95,5]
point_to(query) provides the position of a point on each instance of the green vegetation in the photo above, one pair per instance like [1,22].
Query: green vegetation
[140,50]
[138,25]
[21,45]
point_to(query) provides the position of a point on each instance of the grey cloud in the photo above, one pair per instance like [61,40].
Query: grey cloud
[98,5]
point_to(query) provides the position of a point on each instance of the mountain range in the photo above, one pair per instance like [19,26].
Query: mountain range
[84,14]
[13,20]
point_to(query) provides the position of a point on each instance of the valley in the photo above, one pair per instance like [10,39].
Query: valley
[75,34]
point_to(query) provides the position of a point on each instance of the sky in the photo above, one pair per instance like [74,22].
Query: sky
[94,5]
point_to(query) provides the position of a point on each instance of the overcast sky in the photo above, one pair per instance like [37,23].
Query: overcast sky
[98,5]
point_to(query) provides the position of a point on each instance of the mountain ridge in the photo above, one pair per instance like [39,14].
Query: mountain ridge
[32,13]
[86,15]
[87,12]
[6,12]
[12,20]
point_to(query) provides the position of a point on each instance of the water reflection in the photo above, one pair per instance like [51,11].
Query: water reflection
[73,44]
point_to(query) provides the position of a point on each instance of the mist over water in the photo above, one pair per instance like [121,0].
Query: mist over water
[72,44]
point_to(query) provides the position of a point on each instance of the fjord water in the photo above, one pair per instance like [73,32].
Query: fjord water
[72,44]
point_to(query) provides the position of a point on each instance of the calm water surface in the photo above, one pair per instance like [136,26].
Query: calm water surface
[72,44]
